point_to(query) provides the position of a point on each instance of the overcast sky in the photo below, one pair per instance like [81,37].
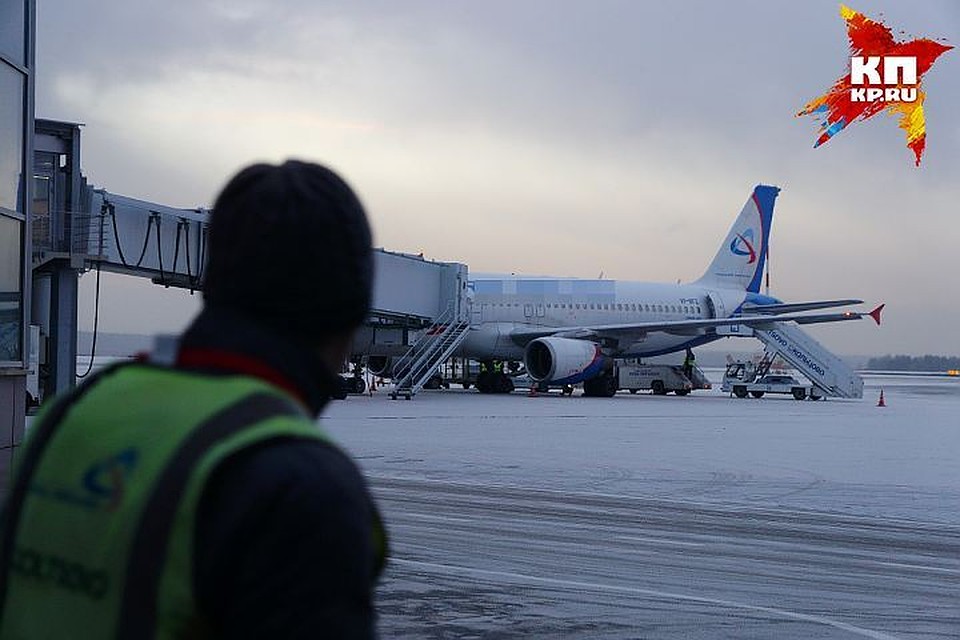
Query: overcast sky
[536,137]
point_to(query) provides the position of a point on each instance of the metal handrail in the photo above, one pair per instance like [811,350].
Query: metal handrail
[429,351]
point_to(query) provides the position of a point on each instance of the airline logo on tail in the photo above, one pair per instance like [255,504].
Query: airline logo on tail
[742,245]
[739,261]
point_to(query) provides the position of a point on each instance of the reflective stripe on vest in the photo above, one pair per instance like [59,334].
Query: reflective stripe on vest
[97,536]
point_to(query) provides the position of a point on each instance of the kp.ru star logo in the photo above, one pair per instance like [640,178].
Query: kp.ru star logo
[742,245]
[884,75]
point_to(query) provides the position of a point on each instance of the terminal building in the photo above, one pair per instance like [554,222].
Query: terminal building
[17,34]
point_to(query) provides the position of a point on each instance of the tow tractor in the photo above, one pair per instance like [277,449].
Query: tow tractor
[743,378]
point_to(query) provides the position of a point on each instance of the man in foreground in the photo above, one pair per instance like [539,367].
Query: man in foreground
[191,494]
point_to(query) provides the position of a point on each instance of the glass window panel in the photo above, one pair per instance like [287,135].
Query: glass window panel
[40,225]
[11,135]
[10,296]
[12,28]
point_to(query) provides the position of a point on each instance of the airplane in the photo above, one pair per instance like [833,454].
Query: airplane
[568,331]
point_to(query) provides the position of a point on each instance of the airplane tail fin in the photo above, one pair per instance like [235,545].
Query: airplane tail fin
[740,261]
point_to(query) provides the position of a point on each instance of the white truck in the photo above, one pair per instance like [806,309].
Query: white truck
[660,378]
[746,378]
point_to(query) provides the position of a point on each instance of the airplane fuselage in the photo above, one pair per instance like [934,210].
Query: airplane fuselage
[502,308]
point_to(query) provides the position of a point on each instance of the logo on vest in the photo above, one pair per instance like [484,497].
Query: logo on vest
[102,485]
[107,479]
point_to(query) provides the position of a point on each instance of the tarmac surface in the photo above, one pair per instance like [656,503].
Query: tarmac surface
[665,517]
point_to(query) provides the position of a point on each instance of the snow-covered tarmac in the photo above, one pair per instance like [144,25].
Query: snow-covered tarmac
[666,517]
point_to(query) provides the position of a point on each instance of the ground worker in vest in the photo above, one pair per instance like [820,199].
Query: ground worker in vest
[688,363]
[192,494]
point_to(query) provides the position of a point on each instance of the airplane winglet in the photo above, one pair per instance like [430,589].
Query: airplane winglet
[875,314]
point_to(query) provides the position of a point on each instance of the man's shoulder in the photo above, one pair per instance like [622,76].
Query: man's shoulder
[291,466]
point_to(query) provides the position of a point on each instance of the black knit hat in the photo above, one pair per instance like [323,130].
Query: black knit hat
[289,246]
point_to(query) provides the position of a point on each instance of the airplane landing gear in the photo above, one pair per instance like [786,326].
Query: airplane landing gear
[603,386]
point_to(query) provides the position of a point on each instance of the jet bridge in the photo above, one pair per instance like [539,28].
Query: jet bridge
[825,370]
[78,227]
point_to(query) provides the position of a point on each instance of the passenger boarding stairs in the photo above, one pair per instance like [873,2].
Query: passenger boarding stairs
[825,370]
[433,348]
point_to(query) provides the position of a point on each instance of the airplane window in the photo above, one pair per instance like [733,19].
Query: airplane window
[578,306]
[673,309]
[619,307]
[634,306]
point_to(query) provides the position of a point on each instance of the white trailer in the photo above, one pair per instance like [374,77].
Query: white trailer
[660,378]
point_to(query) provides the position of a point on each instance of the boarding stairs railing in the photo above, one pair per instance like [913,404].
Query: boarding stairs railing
[825,370]
[431,350]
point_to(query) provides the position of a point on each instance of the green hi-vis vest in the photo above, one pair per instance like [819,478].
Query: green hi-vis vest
[98,531]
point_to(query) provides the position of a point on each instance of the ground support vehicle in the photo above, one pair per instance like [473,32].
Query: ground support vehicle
[746,378]
[661,378]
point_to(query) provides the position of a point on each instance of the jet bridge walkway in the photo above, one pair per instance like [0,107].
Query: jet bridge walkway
[825,370]
[77,227]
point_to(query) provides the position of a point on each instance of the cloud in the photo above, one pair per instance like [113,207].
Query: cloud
[558,137]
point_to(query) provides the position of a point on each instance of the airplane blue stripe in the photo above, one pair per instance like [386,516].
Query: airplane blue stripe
[764,196]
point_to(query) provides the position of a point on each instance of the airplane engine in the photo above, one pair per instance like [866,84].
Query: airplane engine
[384,366]
[563,361]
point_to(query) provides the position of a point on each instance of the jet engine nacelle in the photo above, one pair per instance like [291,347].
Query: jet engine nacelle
[384,366]
[563,360]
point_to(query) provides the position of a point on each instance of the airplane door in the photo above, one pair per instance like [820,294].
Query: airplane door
[541,312]
[528,311]
[476,312]
[715,305]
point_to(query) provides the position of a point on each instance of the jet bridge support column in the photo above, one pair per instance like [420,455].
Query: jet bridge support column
[58,188]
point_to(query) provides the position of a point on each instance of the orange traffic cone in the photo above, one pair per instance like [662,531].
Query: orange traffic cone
[880,402]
